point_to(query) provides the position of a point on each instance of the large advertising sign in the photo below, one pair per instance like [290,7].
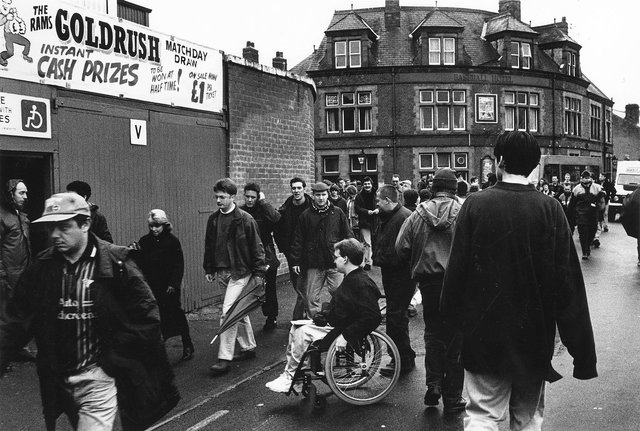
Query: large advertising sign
[54,43]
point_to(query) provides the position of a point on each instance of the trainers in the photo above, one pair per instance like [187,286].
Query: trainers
[432,397]
[282,384]
[596,243]
[221,367]
[244,355]
[455,406]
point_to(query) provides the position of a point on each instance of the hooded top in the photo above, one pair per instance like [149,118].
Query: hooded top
[425,237]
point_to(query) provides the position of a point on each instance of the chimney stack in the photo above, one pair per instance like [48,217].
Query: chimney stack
[632,113]
[511,7]
[392,14]
[250,53]
[279,62]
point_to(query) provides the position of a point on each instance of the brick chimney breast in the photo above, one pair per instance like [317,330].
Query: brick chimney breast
[392,14]
[279,62]
[511,7]
[632,113]
[250,53]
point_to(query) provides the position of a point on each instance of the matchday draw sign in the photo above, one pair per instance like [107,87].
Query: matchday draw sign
[54,43]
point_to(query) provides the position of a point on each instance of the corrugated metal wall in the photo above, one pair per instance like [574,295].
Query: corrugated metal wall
[176,171]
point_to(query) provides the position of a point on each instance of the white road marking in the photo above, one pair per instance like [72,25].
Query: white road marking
[203,423]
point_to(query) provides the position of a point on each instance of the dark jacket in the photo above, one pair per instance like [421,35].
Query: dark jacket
[288,223]
[162,262]
[586,202]
[15,250]
[365,201]
[353,311]
[315,236]
[243,244]
[131,347]
[630,218]
[340,203]
[267,218]
[384,250]
[513,276]
[425,237]
[99,224]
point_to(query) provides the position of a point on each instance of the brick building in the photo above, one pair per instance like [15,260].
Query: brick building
[156,134]
[627,134]
[411,89]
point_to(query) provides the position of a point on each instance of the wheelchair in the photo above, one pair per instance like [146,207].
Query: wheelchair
[359,375]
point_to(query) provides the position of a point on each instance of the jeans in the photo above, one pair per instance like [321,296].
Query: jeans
[93,395]
[242,330]
[319,285]
[300,308]
[442,345]
[399,289]
[490,397]
[270,306]
[300,337]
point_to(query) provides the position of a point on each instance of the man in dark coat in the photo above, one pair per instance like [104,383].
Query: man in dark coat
[587,201]
[353,313]
[631,216]
[290,211]
[98,220]
[514,277]
[267,218]
[367,210]
[96,325]
[320,227]
[336,199]
[396,273]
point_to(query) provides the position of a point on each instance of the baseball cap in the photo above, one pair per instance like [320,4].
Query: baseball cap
[63,206]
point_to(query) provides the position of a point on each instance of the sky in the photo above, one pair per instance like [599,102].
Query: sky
[609,54]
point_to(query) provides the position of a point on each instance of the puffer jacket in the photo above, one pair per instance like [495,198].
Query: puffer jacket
[15,252]
[425,237]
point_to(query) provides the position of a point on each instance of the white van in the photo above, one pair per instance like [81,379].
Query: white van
[627,180]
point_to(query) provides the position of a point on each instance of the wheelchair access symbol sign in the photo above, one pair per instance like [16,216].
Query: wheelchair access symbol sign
[25,116]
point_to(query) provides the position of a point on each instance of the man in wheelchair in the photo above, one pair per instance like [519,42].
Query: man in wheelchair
[350,316]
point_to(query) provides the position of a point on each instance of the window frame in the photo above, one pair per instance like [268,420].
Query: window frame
[437,109]
[347,54]
[517,104]
[421,166]
[336,55]
[437,51]
[324,164]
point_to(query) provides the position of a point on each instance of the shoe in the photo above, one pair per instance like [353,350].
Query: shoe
[585,257]
[454,407]
[187,352]
[244,355]
[596,243]
[432,397]
[3,62]
[222,367]
[407,364]
[270,324]
[605,229]
[367,267]
[282,384]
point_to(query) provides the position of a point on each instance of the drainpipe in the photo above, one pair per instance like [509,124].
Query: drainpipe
[393,118]
[553,112]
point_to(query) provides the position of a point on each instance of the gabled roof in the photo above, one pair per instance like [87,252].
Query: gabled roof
[555,35]
[437,19]
[506,23]
[351,21]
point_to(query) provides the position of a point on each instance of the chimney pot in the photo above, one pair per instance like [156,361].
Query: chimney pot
[279,62]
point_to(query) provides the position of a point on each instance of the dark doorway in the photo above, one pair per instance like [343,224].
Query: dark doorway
[35,169]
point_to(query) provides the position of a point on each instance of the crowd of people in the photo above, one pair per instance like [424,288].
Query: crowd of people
[484,259]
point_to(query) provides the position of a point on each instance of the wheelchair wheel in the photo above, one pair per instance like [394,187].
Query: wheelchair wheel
[367,378]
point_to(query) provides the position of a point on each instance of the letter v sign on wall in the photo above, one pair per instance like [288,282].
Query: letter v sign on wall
[138,132]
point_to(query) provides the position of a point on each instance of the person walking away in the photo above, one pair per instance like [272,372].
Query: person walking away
[396,273]
[630,218]
[366,209]
[159,256]
[96,325]
[319,228]
[514,277]
[98,220]
[424,241]
[233,252]
[290,212]
[267,218]
[587,196]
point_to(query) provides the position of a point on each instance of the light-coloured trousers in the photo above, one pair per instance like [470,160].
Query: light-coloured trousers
[366,240]
[319,285]
[94,393]
[242,330]
[300,337]
[491,397]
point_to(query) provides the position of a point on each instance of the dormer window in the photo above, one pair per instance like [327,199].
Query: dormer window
[442,50]
[571,63]
[348,53]
[520,55]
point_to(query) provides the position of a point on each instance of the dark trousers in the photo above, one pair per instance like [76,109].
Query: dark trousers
[399,289]
[587,232]
[301,297]
[270,306]
[442,346]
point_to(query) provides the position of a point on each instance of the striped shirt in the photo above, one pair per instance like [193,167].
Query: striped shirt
[77,344]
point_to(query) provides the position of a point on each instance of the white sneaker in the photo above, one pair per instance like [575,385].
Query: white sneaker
[282,384]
